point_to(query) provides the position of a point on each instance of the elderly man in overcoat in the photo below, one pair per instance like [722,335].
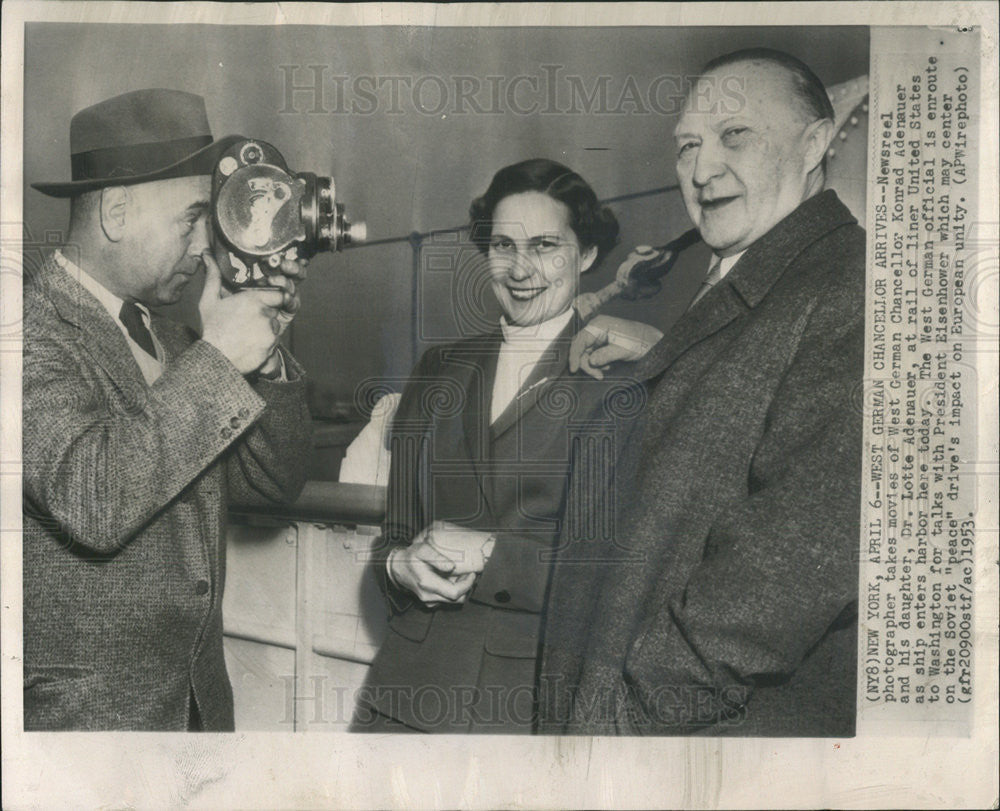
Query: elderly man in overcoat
[137,432]
[725,599]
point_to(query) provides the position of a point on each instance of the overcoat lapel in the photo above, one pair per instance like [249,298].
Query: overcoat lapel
[170,335]
[478,366]
[103,339]
[718,308]
[750,279]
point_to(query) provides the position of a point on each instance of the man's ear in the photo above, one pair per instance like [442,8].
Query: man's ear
[116,204]
[816,139]
[587,258]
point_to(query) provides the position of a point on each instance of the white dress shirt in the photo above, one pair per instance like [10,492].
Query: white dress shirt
[726,263]
[520,352]
[150,367]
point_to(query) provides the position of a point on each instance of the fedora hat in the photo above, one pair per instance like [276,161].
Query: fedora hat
[138,137]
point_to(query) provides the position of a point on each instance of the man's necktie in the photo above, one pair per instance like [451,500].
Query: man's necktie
[712,279]
[131,317]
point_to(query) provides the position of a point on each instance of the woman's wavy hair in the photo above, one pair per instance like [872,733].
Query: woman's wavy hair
[594,225]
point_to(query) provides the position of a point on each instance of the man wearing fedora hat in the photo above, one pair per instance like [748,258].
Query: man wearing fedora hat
[137,432]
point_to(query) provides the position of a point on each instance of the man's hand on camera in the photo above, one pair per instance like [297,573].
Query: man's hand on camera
[244,326]
[288,276]
[290,272]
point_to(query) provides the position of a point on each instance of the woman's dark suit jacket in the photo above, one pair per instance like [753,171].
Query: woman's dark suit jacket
[471,667]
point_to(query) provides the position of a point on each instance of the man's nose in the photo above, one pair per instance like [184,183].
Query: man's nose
[708,165]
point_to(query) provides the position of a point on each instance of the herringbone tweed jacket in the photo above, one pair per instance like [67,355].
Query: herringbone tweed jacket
[125,495]
[725,598]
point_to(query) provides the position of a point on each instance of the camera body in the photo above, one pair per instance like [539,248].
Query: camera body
[263,212]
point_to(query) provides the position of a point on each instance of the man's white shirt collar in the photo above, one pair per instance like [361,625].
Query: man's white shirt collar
[726,263]
[151,367]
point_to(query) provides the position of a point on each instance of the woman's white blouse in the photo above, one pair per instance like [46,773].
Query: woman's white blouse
[521,350]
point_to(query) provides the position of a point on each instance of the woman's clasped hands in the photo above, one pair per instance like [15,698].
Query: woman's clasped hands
[440,566]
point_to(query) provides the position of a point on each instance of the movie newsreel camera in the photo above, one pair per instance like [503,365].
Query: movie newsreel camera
[263,212]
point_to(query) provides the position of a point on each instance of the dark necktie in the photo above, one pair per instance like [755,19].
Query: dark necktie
[712,279]
[131,317]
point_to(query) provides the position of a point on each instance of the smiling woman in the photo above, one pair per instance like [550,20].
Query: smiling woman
[478,474]
[535,258]
[541,226]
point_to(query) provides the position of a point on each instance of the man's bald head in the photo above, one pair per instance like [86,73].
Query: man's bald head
[805,87]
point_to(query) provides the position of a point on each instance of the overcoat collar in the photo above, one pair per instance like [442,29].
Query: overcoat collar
[101,337]
[746,285]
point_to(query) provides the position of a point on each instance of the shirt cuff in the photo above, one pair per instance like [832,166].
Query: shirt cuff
[388,566]
[279,376]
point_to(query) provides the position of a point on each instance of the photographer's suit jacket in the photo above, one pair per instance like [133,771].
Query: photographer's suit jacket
[726,601]
[125,493]
[449,463]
